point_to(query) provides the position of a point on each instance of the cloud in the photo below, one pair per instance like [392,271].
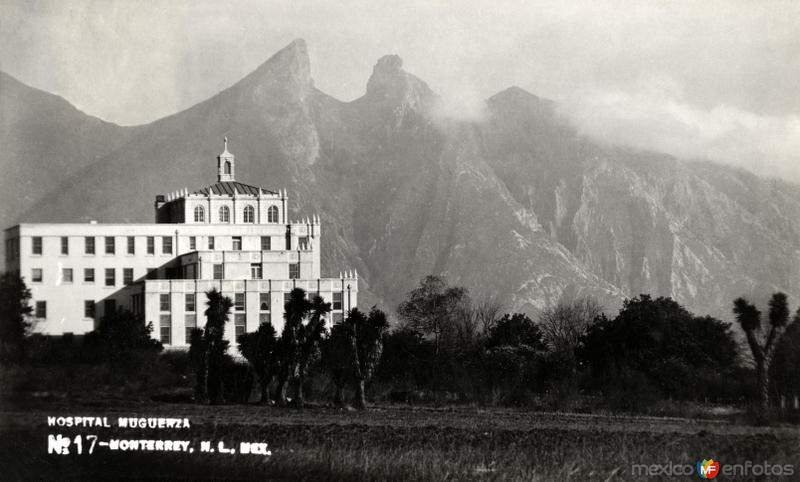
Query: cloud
[461,103]
[655,116]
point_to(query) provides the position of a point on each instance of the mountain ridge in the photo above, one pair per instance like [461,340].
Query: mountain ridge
[518,206]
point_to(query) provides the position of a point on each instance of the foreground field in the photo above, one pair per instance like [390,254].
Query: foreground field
[385,443]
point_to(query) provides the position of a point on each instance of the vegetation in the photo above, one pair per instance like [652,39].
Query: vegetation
[447,349]
[762,346]
[260,350]
[353,351]
[14,312]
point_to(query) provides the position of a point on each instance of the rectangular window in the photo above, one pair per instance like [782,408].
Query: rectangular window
[110,245]
[127,276]
[189,323]
[109,306]
[64,245]
[36,246]
[88,275]
[88,245]
[66,275]
[36,275]
[237,243]
[303,241]
[41,309]
[264,318]
[239,324]
[286,298]
[88,309]
[165,329]
[294,270]
[263,301]
[218,271]
[151,245]
[337,300]
[166,245]
[238,302]
[190,302]
[338,317]
[211,242]
[266,243]
[192,243]
[255,271]
[131,245]
[163,302]
[111,277]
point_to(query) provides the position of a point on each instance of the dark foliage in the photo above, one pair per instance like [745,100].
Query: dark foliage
[14,313]
[658,341]
[118,336]
[515,330]
[260,349]
[217,315]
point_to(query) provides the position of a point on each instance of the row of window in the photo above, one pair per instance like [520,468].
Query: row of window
[224,214]
[67,276]
[40,308]
[190,305]
[239,317]
[166,244]
[110,245]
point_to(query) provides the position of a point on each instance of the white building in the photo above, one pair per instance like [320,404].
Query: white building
[228,235]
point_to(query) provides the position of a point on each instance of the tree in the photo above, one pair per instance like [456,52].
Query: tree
[431,308]
[515,330]
[295,311]
[217,315]
[562,326]
[368,346]
[658,342]
[354,350]
[119,335]
[259,348]
[786,363]
[763,346]
[310,336]
[337,357]
[14,312]
[198,359]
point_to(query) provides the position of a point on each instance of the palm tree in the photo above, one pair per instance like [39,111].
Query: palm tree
[310,336]
[367,346]
[337,355]
[763,348]
[217,313]
[295,311]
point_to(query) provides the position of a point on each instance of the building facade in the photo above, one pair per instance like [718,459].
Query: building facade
[230,236]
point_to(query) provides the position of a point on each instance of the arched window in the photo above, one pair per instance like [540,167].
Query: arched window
[227,167]
[249,214]
[224,214]
[272,214]
[199,214]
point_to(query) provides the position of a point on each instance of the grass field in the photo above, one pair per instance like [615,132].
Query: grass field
[384,443]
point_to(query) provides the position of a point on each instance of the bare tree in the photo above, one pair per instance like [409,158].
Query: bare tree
[487,312]
[564,324]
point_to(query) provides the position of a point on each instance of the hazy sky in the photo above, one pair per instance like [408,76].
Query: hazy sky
[695,79]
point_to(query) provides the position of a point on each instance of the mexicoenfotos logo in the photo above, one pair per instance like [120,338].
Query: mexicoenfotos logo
[708,469]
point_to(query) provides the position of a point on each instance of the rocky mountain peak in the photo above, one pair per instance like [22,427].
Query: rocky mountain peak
[288,70]
[393,87]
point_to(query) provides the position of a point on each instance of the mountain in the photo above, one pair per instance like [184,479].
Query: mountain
[45,140]
[518,206]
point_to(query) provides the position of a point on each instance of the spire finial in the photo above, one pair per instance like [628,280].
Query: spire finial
[226,143]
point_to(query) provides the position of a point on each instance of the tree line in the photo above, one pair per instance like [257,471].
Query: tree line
[446,347]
